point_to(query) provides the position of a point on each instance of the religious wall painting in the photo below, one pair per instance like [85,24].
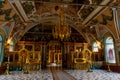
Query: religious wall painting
[102,30]
[90,38]
[79,52]
[86,11]
[104,18]
[19,29]
[6,11]
[110,54]
[19,26]
[29,7]
[7,27]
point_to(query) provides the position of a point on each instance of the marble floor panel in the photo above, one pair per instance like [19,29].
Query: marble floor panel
[62,75]
[95,75]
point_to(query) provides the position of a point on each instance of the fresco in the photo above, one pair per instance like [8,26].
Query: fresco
[28,7]
[7,27]
[90,37]
[6,12]
[102,31]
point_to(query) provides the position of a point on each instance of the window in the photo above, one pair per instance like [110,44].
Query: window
[95,47]
[11,46]
[1,46]
[109,50]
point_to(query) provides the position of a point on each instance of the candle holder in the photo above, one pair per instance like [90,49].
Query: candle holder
[26,71]
[89,69]
[7,66]
[109,70]
[26,66]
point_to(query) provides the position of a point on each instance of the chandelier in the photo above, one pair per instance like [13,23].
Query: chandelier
[61,29]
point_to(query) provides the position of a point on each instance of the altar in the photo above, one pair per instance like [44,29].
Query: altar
[54,66]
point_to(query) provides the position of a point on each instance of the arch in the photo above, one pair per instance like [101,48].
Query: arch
[53,20]
[3,35]
[1,47]
[109,49]
[107,31]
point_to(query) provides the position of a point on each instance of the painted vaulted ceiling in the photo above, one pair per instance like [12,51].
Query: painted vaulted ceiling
[18,18]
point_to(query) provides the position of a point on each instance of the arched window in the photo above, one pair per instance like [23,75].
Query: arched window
[1,47]
[95,47]
[11,46]
[109,50]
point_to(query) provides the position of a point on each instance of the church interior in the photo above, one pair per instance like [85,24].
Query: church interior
[59,39]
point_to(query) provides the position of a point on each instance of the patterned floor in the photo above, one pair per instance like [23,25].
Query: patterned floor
[95,75]
[36,75]
[47,75]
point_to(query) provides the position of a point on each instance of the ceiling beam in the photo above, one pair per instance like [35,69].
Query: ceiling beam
[21,10]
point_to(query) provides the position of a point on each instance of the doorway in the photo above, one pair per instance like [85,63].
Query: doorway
[54,55]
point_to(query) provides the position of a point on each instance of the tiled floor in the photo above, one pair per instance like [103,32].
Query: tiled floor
[95,75]
[77,74]
[36,75]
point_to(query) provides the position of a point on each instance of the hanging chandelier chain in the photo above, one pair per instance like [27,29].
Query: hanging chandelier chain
[61,29]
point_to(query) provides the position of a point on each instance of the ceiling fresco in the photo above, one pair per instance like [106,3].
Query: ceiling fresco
[27,14]
[73,9]
[6,12]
